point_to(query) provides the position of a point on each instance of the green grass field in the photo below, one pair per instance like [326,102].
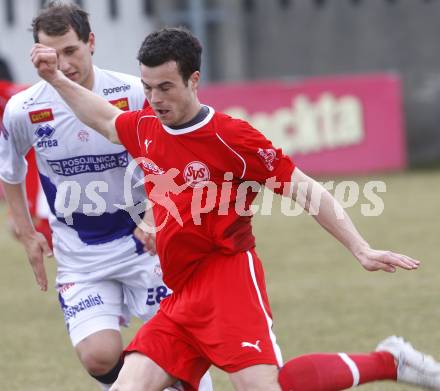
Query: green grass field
[321,298]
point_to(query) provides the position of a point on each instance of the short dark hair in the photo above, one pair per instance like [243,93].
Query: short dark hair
[58,17]
[172,44]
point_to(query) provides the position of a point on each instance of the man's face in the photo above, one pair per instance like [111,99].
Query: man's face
[173,102]
[74,55]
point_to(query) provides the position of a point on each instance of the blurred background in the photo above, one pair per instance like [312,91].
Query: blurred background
[277,39]
[350,89]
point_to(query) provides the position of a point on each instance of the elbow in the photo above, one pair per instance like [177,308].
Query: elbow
[113,138]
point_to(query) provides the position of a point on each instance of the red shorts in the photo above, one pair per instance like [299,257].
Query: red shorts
[221,317]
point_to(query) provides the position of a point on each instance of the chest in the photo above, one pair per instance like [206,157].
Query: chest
[56,134]
[193,158]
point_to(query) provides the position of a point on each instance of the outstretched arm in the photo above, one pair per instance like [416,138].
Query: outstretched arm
[91,109]
[329,213]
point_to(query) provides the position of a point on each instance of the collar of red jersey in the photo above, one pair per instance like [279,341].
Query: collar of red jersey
[189,129]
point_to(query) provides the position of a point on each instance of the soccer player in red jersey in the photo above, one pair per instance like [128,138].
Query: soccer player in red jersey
[202,171]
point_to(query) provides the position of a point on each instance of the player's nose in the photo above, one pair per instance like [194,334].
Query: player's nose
[156,96]
[63,65]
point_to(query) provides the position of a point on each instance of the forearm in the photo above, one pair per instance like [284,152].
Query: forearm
[148,218]
[90,108]
[16,197]
[332,217]
[327,211]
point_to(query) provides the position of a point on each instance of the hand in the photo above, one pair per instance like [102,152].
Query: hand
[36,247]
[387,261]
[45,60]
[148,239]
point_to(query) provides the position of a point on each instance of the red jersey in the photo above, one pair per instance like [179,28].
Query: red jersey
[199,212]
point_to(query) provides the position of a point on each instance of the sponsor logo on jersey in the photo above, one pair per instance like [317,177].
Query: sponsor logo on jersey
[44,115]
[83,135]
[149,165]
[195,173]
[255,345]
[45,133]
[89,163]
[31,102]
[121,103]
[147,144]
[112,90]
[268,156]
[3,131]
[70,311]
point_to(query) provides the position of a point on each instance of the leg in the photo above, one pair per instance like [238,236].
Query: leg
[333,372]
[139,373]
[256,378]
[235,335]
[100,353]
[92,312]
[413,367]
[394,359]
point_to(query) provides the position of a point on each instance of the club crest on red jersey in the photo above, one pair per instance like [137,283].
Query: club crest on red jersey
[268,156]
[196,173]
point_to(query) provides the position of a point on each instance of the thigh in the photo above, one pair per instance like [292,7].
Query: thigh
[170,347]
[226,310]
[256,378]
[90,307]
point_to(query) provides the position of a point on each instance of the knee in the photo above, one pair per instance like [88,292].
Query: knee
[98,363]
[258,385]
[131,384]
[100,352]
[256,378]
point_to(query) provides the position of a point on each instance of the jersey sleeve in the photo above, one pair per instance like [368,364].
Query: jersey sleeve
[127,130]
[256,159]
[15,142]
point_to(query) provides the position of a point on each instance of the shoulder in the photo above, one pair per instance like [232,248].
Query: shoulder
[119,79]
[143,117]
[232,128]
[123,90]
[146,117]
[36,97]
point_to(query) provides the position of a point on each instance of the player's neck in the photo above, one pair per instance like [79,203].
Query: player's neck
[192,112]
[199,117]
[90,80]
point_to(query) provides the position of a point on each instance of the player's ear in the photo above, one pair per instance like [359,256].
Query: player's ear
[194,80]
[91,43]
